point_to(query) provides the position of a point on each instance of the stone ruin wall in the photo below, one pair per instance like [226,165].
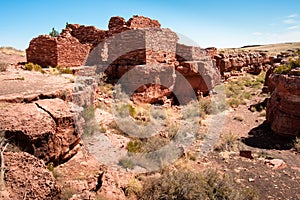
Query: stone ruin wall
[139,41]
[186,53]
[64,50]
[50,51]
[71,52]
[87,34]
[161,46]
[43,51]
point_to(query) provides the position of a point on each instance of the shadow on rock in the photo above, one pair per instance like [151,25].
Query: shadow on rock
[263,137]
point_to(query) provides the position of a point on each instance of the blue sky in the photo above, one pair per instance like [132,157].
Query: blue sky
[219,23]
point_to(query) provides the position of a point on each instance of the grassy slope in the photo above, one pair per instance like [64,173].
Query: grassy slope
[11,55]
[11,51]
[271,48]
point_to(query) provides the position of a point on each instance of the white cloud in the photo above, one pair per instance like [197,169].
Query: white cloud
[292,15]
[289,21]
[293,27]
[257,33]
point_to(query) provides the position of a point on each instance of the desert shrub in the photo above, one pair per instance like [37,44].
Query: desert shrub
[233,89]
[102,129]
[285,69]
[134,146]
[153,143]
[227,142]
[247,95]
[54,33]
[133,187]
[235,102]
[125,109]
[62,70]
[3,67]
[297,144]
[50,167]
[265,155]
[34,67]
[126,163]
[90,125]
[187,185]
[205,106]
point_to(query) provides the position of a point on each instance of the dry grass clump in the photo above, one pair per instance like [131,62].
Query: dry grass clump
[34,67]
[297,144]
[187,185]
[227,142]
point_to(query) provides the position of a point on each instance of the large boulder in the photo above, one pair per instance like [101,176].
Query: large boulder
[45,128]
[283,108]
[27,177]
[198,76]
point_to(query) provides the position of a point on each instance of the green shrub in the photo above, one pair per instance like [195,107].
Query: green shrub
[285,69]
[235,102]
[54,33]
[134,146]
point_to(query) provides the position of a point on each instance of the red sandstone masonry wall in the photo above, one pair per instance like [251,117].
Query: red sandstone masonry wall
[136,44]
[42,50]
[142,22]
[71,52]
[87,34]
[161,45]
[127,48]
[64,50]
[137,47]
[189,53]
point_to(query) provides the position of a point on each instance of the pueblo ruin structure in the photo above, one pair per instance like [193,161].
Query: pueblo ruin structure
[138,43]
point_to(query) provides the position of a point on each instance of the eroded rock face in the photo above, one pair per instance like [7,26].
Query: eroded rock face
[283,108]
[201,75]
[27,177]
[44,128]
[252,61]
[149,83]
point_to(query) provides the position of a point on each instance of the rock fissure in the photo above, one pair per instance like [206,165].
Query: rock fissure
[48,112]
